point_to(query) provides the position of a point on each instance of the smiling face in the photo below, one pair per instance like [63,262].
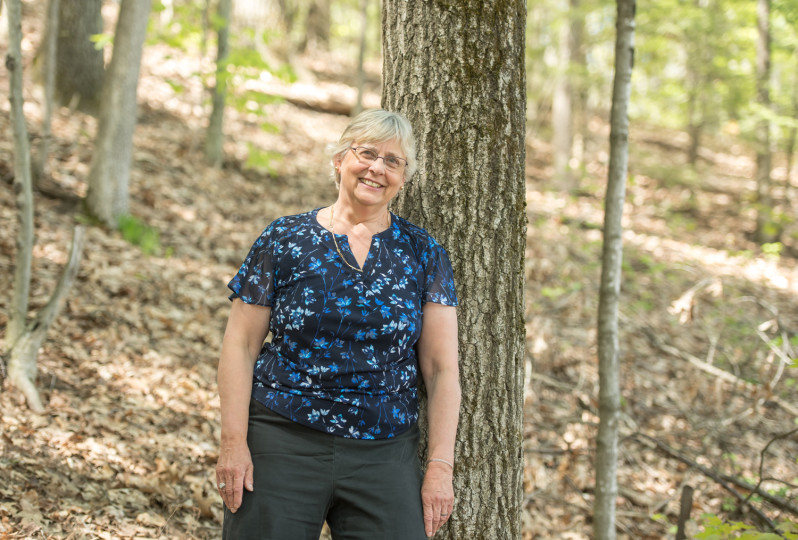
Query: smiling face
[370,184]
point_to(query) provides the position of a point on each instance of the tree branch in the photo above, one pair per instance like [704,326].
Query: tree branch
[762,464]
[49,312]
[721,480]
[717,372]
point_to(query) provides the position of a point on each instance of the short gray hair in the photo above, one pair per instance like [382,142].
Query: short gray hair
[376,126]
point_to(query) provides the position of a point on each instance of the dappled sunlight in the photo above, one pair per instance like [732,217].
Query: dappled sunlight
[771,271]
[696,296]
[128,444]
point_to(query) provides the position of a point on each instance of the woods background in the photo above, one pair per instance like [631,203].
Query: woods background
[709,287]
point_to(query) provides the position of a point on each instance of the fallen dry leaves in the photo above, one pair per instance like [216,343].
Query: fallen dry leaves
[127,446]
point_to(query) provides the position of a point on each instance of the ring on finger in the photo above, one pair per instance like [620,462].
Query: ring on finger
[222,485]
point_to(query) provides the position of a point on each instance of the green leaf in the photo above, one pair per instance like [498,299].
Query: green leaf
[262,160]
[101,40]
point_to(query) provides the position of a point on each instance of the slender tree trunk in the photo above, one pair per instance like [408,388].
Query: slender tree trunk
[793,133]
[214,137]
[766,229]
[109,176]
[361,57]
[3,24]
[79,64]
[23,357]
[581,132]
[694,122]
[22,177]
[40,160]
[23,340]
[456,69]
[317,35]
[562,106]
[612,255]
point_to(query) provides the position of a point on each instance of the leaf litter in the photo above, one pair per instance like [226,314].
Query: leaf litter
[128,444]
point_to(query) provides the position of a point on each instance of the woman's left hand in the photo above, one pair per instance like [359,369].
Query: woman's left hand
[437,497]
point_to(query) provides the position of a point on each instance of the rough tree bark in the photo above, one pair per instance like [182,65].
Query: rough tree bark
[79,64]
[214,136]
[612,256]
[456,70]
[24,339]
[109,176]
[766,229]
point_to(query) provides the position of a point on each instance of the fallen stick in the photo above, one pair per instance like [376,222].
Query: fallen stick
[647,439]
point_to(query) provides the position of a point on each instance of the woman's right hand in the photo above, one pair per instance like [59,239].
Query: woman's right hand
[234,473]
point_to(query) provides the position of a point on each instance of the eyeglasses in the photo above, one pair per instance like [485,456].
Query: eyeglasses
[368,155]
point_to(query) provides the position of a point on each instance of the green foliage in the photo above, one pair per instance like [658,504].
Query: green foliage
[717,529]
[262,160]
[138,233]
[252,101]
[773,249]
[695,62]
[244,58]
[101,40]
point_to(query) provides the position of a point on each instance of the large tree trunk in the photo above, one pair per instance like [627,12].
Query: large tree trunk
[79,64]
[214,136]
[109,176]
[766,229]
[456,69]
[612,256]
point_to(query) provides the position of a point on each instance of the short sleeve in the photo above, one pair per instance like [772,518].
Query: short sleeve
[438,276]
[254,282]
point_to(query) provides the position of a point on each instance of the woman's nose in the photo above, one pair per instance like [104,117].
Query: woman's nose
[374,163]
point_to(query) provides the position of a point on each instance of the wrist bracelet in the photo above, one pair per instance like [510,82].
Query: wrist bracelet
[430,460]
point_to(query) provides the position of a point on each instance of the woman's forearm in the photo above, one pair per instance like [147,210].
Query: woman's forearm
[235,387]
[443,410]
[243,338]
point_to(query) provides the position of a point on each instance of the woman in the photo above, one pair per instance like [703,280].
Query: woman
[320,423]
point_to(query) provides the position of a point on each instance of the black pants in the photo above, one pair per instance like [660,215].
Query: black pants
[364,489]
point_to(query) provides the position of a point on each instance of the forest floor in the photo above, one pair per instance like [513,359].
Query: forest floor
[128,444]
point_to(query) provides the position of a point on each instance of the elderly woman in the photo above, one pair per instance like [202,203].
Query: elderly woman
[320,423]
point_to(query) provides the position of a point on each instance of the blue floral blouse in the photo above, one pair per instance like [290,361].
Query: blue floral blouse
[342,357]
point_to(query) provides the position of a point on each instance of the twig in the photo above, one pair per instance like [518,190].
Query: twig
[762,461]
[772,499]
[785,360]
[706,472]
